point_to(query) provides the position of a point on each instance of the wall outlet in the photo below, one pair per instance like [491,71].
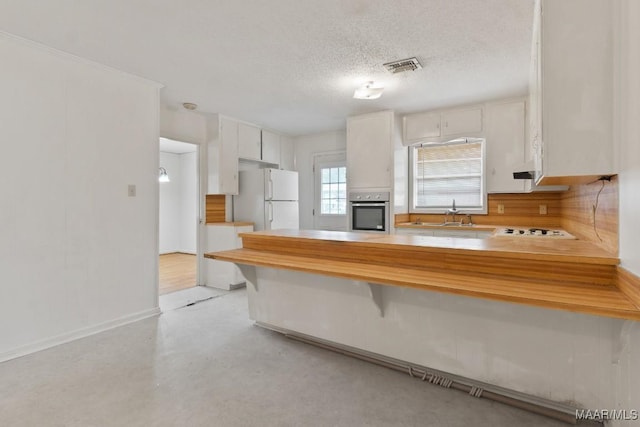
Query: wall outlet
[132,190]
[500,208]
[543,209]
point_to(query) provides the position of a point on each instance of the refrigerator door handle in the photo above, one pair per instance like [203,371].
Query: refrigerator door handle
[270,187]
[270,212]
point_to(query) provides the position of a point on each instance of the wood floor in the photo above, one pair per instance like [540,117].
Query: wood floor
[177,272]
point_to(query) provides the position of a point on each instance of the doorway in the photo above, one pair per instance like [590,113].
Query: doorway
[330,191]
[179,207]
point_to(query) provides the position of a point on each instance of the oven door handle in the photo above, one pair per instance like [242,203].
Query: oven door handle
[368,204]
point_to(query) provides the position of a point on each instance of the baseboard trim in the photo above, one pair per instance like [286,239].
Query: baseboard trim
[77,334]
[557,410]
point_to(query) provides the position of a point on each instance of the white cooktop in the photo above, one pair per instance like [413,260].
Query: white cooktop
[542,233]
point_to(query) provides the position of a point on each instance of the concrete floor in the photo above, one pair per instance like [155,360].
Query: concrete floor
[207,365]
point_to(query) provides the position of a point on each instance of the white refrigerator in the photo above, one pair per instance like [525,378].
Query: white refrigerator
[268,198]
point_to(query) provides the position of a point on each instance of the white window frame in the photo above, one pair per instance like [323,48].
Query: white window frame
[441,210]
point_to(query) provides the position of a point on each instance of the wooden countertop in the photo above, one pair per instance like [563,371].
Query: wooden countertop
[566,250]
[571,275]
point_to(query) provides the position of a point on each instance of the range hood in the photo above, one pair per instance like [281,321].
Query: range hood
[524,171]
[527,171]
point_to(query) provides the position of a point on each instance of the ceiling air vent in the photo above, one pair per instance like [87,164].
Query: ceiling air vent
[410,64]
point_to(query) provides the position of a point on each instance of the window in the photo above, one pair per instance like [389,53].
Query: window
[334,190]
[449,171]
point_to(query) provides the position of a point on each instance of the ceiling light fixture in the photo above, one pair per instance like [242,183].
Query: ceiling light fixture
[189,106]
[164,176]
[368,91]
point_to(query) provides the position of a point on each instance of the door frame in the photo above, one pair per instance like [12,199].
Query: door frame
[202,176]
[328,158]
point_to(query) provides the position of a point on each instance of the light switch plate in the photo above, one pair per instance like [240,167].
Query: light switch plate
[500,208]
[543,209]
[132,190]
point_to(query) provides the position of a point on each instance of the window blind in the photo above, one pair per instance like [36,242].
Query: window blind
[446,172]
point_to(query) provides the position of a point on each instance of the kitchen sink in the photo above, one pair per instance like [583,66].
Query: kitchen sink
[442,224]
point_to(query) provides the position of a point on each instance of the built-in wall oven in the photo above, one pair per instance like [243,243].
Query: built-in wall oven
[369,212]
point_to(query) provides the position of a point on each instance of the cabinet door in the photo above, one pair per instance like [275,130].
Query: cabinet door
[417,127]
[228,159]
[505,133]
[370,151]
[577,103]
[462,122]
[287,157]
[249,142]
[270,147]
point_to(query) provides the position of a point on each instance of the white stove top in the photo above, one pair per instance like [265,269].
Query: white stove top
[542,233]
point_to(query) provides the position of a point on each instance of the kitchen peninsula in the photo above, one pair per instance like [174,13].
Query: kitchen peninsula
[572,275]
[479,309]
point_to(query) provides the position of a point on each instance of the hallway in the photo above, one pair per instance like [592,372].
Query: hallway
[177,272]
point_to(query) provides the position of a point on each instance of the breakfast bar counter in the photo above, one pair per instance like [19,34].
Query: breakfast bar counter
[573,275]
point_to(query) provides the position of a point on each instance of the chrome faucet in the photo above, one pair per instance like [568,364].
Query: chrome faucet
[451,211]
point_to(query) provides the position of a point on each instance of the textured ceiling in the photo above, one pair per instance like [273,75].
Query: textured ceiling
[292,65]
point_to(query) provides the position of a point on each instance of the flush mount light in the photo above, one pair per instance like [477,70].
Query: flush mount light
[164,176]
[368,91]
[189,106]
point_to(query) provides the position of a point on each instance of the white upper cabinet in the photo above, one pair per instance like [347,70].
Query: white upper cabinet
[270,147]
[370,151]
[436,126]
[505,146]
[572,90]
[461,122]
[417,127]
[228,159]
[249,142]
[222,153]
[287,153]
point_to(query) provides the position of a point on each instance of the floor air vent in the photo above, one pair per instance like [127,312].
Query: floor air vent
[410,64]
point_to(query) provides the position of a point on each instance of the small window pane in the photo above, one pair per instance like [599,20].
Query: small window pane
[326,176]
[334,191]
[342,174]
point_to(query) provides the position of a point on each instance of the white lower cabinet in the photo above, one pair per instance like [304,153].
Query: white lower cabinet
[224,237]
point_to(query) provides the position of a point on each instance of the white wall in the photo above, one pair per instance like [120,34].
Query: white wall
[179,203]
[77,255]
[189,202]
[305,148]
[170,204]
[628,374]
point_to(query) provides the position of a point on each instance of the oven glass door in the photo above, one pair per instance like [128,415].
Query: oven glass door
[368,216]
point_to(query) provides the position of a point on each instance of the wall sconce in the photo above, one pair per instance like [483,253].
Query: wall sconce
[164,177]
